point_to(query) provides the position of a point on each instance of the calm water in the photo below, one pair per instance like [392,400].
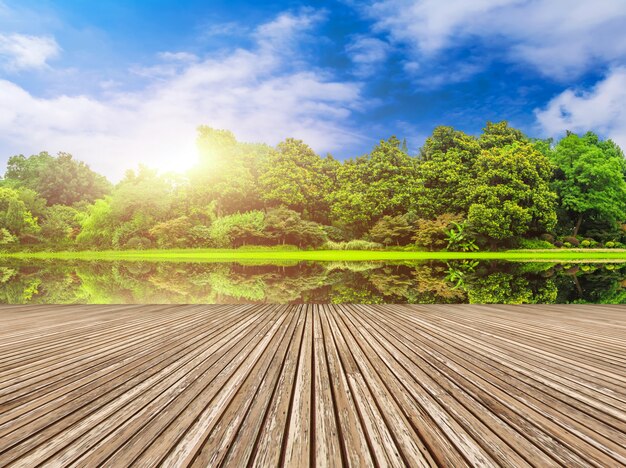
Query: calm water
[359,282]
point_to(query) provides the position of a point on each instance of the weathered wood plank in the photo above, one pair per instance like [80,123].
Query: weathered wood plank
[323,385]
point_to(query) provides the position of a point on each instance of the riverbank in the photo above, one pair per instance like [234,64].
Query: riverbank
[217,255]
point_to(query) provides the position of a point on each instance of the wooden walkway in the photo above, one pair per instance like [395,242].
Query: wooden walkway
[268,385]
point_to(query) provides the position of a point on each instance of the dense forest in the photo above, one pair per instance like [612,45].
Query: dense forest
[501,189]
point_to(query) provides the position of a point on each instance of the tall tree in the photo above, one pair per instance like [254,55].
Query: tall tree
[227,173]
[589,180]
[499,135]
[512,195]
[60,180]
[372,186]
[445,173]
[294,176]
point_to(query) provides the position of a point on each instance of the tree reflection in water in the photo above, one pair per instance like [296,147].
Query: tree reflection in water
[311,282]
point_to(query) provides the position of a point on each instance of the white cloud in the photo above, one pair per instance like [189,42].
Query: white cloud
[258,93]
[560,38]
[23,52]
[602,109]
[367,53]
[184,57]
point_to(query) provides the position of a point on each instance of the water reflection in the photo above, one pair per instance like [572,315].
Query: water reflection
[360,282]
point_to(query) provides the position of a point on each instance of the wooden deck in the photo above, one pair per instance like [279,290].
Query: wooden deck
[267,385]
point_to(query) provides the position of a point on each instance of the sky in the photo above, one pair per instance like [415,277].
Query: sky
[119,83]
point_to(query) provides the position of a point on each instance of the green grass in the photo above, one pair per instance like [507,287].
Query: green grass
[256,254]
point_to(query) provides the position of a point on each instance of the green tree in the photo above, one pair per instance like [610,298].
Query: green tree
[284,226]
[445,173]
[173,233]
[6,238]
[294,176]
[59,180]
[372,186]
[97,226]
[589,180]
[512,196]
[59,226]
[14,216]
[226,175]
[499,135]
[238,229]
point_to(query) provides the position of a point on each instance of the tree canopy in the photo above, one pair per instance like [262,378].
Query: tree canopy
[499,189]
[589,180]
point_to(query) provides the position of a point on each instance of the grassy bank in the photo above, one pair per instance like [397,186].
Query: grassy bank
[223,255]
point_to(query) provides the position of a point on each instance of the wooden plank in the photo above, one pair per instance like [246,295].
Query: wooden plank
[313,385]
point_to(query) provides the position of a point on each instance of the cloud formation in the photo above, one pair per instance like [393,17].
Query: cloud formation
[23,52]
[602,109]
[553,36]
[261,93]
[367,53]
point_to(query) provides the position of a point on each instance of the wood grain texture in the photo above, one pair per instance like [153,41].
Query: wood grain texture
[313,385]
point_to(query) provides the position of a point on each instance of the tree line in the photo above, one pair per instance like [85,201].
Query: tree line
[500,189]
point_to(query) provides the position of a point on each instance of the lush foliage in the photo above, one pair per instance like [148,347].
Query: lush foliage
[459,193]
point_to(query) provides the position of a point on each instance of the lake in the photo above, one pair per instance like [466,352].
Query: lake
[455,281]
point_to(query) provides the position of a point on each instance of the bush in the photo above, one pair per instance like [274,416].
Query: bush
[588,243]
[285,226]
[238,229]
[6,237]
[558,244]
[173,233]
[335,234]
[200,235]
[392,230]
[535,244]
[138,243]
[572,240]
[353,245]
[432,234]
[547,237]
[262,248]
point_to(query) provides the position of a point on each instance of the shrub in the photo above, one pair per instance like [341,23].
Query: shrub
[392,230]
[237,229]
[6,237]
[334,233]
[286,226]
[567,244]
[535,244]
[138,243]
[353,245]
[572,240]
[173,233]
[588,243]
[547,237]
[262,248]
[431,233]
[558,244]
[200,235]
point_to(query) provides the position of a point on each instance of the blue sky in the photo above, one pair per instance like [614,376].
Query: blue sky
[118,83]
